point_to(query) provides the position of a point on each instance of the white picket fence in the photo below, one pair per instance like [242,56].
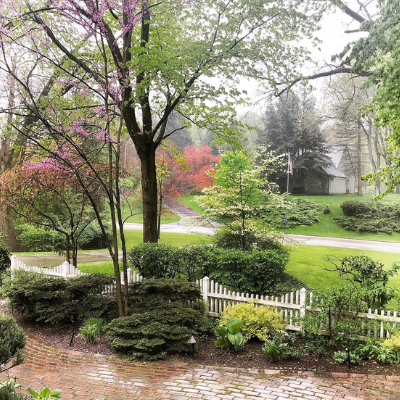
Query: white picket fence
[291,305]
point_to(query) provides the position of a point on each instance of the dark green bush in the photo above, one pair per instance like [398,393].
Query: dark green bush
[370,217]
[156,293]
[150,335]
[155,260]
[92,236]
[55,300]
[33,238]
[5,263]
[252,272]
[12,340]
[161,319]
[227,239]
[199,261]
[351,208]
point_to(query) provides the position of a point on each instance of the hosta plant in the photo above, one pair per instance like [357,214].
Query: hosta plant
[45,394]
[230,337]
[275,349]
[91,329]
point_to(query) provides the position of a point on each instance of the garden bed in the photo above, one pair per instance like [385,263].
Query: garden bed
[206,353]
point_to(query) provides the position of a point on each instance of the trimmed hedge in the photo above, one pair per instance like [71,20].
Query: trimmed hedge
[12,340]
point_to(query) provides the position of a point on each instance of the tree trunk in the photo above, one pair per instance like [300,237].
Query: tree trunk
[147,155]
[7,229]
[359,163]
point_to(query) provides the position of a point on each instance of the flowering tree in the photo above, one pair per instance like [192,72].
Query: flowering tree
[45,195]
[141,60]
[238,197]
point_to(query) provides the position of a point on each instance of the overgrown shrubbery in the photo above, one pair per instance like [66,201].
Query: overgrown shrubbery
[369,217]
[258,322]
[33,238]
[55,300]
[160,321]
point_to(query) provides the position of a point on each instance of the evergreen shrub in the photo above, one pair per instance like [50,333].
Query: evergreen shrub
[12,340]
[163,315]
[5,263]
[369,217]
[260,322]
[55,300]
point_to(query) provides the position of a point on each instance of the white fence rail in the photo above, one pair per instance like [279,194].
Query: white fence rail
[217,297]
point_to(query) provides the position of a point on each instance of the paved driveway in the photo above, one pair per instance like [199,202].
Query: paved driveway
[82,376]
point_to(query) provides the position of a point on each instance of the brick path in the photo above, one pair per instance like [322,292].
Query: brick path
[82,376]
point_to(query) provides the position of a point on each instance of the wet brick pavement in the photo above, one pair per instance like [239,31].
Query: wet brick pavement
[84,376]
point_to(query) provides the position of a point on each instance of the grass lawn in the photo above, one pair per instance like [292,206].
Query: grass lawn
[166,218]
[327,226]
[306,263]
[133,238]
[189,201]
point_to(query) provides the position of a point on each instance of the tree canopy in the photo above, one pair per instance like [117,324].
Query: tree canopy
[86,62]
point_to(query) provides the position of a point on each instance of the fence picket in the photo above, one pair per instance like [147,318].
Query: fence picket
[291,305]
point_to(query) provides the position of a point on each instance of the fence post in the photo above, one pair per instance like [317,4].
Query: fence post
[303,296]
[65,269]
[205,287]
[13,265]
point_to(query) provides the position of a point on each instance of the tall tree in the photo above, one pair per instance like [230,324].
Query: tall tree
[292,126]
[157,55]
[355,128]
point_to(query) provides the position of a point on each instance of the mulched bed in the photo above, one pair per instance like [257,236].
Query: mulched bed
[251,357]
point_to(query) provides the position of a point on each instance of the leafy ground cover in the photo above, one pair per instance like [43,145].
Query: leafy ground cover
[328,227]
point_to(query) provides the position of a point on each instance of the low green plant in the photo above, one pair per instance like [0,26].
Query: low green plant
[91,329]
[260,322]
[45,394]
[12,341]
[342,357]
[7,390]
[393,344]
[230,337]
[275,349]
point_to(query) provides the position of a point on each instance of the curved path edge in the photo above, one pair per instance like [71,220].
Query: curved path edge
[84,376]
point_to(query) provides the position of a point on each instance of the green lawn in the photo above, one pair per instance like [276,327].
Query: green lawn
[166,218]
[328,227]
[307,263]
[189,201]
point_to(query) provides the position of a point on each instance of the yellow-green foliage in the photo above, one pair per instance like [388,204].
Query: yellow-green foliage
[259,322]
[393,343]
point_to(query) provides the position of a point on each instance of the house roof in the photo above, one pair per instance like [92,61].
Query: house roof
[335,154]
